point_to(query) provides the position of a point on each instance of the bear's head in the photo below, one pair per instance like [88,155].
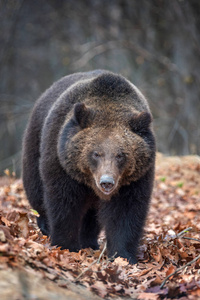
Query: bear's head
[106,148]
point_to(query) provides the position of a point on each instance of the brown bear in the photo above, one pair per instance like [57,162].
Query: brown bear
[88,162]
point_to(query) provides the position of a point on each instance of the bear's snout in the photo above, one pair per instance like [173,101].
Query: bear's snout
[107,183]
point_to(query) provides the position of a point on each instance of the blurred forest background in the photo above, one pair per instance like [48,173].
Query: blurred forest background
[154,43]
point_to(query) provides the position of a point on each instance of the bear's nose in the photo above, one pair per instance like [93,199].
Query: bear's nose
[107,182]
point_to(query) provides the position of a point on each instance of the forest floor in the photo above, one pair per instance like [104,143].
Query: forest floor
[168,259]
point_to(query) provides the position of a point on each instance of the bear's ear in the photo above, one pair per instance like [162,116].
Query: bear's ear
[141,122]
[82,114]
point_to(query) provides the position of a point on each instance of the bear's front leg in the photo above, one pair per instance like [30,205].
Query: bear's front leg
[123,218]
[89,230]
[65,206]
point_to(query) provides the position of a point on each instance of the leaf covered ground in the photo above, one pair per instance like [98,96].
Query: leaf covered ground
[31,269]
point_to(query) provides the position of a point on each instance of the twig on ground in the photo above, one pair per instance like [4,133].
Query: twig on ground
[102,252]
[94,262]
[179,269]
[180,234]
[183,232]
[110,259]
[84,271]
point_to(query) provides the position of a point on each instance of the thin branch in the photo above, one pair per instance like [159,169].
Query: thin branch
[183,232]
[111,258]
[180,234]
[102,252]
[97,261]
[94,262]
[91,53]
[124,44]
[179,269]
[84,271]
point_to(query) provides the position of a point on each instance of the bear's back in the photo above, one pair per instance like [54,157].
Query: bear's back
[49,97]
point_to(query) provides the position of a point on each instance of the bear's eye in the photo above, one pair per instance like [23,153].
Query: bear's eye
[120,157]
[96,154]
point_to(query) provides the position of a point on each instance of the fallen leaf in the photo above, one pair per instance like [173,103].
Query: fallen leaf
[5,221]
[170,270]
[148,296]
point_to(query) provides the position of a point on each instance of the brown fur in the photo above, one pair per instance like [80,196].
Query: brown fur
[109,141]
[86,127]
